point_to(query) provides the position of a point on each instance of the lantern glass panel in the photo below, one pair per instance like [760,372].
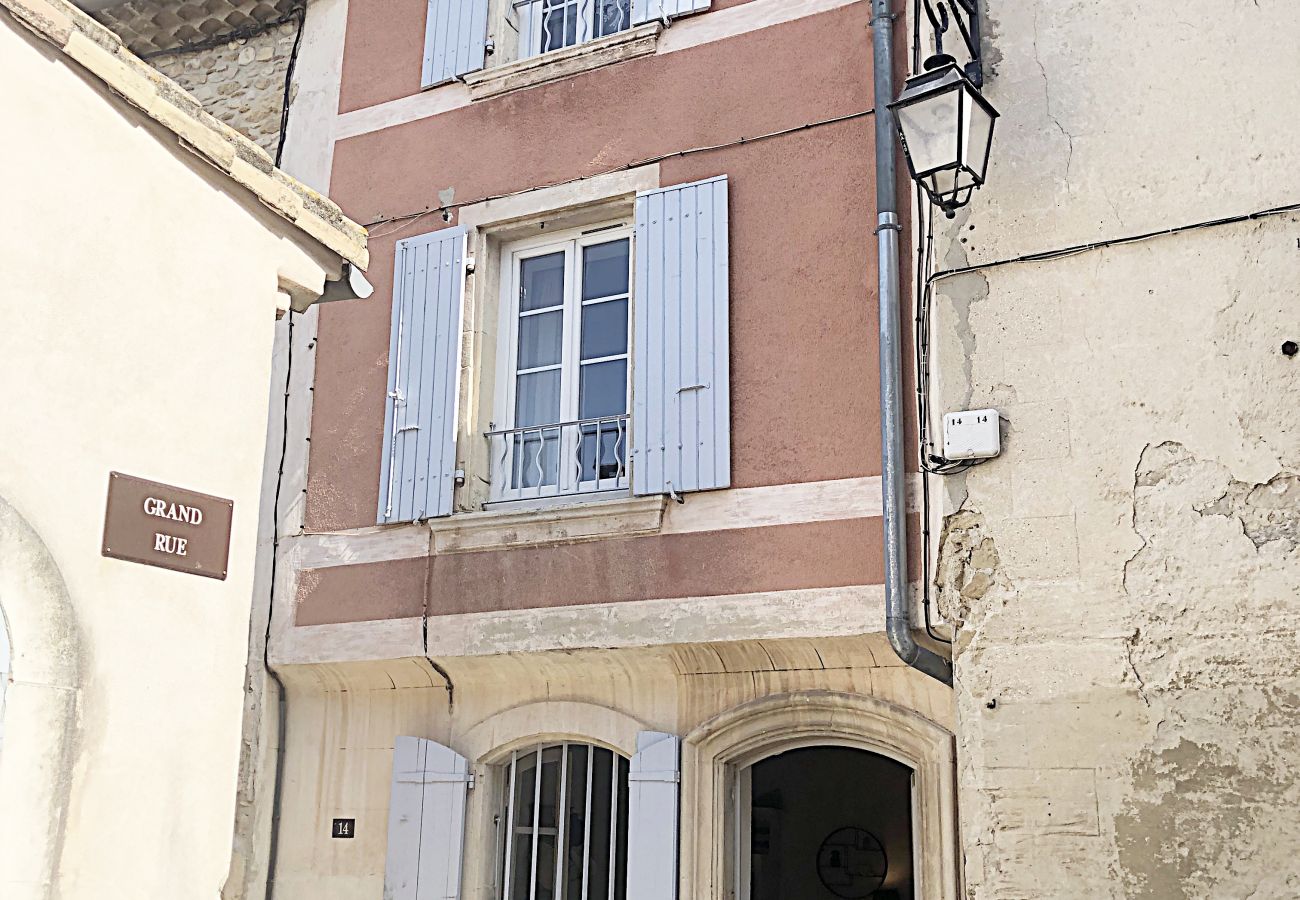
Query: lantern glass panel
[978,125]
[929,126]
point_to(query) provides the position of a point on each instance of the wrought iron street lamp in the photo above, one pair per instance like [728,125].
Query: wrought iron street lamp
[944,121]
[947,130]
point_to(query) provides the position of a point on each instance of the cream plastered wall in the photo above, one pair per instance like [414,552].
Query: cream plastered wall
[138,303]
[343,718]
[1126,576]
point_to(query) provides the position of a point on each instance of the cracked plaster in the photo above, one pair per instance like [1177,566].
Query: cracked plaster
[1126,575]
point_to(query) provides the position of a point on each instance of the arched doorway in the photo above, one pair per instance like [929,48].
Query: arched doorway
[825,823]
[721,756]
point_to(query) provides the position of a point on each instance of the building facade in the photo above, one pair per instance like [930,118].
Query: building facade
[484,570]
[1125,576]
[592,490]
[148,251]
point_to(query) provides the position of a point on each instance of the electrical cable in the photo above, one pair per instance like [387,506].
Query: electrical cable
[278,787]
[282,717]
[445,210]
[248,31]
[300,12]
[1074,250]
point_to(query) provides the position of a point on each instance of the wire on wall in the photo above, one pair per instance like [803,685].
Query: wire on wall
[407,219]
[245,33]
[299,12]
[1075,249]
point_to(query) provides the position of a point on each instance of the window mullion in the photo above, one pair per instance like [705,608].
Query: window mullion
[537,814]
[613,822]
[561,817]
[508,869]
[572,333]
[566,453]
[586,823]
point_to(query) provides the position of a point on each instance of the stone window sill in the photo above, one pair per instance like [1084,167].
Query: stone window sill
[501,529]
[525,73]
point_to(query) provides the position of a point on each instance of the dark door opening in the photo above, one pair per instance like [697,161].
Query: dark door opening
[826,823]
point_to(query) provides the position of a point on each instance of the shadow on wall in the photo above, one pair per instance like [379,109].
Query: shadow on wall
[4,672]
[41,662]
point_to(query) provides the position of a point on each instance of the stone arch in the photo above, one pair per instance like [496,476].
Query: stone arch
[40,709]
[714,752]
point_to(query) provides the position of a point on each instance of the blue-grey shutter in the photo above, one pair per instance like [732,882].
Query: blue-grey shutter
[653,787]
[426,821]
[455,39]
[681,391]
[648,10]
[417,476]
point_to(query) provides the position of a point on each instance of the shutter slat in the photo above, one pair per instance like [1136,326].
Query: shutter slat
[408,415]
[455,39]
[652,820]
[648,10]
[426,821]
[417,474]
[441,413]
[719,370]
[681,437]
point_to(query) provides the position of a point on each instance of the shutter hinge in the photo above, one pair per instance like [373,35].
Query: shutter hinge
[668,777]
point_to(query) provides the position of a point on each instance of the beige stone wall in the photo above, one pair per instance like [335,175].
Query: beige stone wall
[343,719]
[232,55]
[1127,574]
[240,82]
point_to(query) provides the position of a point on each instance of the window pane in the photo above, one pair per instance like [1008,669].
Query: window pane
[601,807]
[541,281]
[559,24]
[612,16]
[620,872]
[605,269]
[537,398]
[521,824]
[603,389]
[575,840]
[536,458]
[550,786]
[541,340]
[570,844]
[604,329]
[602,453]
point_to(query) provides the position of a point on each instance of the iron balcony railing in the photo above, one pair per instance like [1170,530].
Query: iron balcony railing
[580,457]
[546,25]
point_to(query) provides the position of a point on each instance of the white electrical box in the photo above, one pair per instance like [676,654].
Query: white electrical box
[973,434]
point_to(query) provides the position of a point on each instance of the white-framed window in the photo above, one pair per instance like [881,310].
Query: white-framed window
[564,824]
[561,424]
[547,25]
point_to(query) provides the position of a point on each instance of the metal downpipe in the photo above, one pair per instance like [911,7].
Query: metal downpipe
[898,620]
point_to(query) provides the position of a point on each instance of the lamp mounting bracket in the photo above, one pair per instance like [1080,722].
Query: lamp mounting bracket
[966,15]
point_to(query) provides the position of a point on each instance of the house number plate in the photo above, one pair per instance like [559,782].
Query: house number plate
[344,828]
[170,527]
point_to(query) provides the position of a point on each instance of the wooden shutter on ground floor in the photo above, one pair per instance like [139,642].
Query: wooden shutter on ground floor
[418,469]
[681,411]
[648,10]
[426,821]
[455,39]
[652,820]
